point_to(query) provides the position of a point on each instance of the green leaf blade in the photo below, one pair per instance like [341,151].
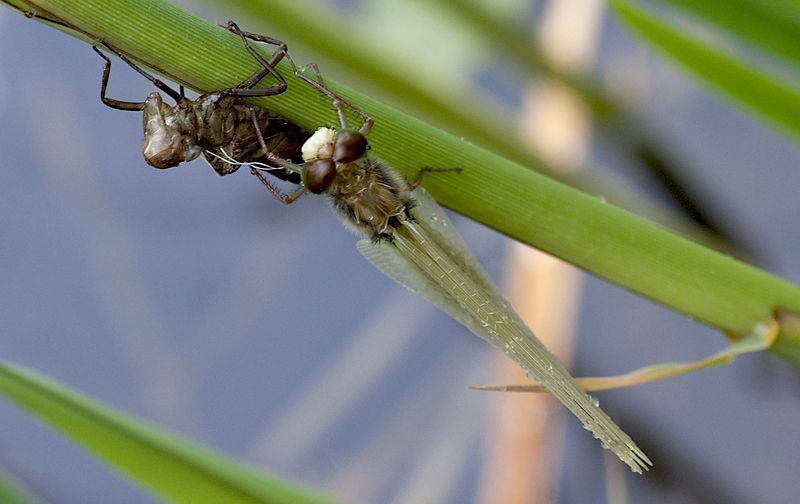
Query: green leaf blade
[12,493]
[168,465]
[772,25]
[767,96]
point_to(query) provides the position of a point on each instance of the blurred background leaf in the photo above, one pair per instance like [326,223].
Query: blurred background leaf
[768,95]
[769,25]
[11,492]
[163,462]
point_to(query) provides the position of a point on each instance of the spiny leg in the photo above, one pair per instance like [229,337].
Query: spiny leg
[319,84]
[267,67]
[111,102]
[279,54]
[286,199]
[271,156]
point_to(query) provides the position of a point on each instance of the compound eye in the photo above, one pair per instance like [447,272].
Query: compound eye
[318,175]
[350,146]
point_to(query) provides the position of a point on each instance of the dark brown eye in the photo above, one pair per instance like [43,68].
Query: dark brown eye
[318,175]
[350,145]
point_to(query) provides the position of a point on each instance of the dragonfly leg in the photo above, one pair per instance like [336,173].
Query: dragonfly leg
[123,105]
[277,160]
[286,199]
[427,169]
[339,102]
[267,67]
[111,102]
[271,156]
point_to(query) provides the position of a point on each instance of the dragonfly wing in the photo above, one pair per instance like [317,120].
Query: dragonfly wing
[501,326]
[432,217]
[440,254]
[434,220]
[429,215]
[385,256]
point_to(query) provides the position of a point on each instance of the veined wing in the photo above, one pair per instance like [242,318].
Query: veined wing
[430,215]
[451,279]
[385,256]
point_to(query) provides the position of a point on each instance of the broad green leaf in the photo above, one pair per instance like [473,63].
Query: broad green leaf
[165,463]
[773,25]
[761,93]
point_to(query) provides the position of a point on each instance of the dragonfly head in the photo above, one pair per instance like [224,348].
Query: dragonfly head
[167,142]
[350,146]
[325,150]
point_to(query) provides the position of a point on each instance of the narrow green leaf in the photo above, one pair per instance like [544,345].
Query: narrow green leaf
[12,493]
[763,337]
[773,25]
[167,464]
[761,93]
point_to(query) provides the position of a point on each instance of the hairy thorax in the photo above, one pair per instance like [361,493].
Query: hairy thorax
[371,197]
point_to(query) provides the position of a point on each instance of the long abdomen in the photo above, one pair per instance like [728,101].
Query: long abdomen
[503,328]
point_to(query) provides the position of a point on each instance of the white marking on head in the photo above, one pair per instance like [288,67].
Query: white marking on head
[319,146]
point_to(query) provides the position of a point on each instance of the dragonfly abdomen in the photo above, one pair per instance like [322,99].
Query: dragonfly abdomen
[502,327]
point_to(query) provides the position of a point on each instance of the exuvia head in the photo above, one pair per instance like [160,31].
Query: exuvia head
[325,150]
[166,142]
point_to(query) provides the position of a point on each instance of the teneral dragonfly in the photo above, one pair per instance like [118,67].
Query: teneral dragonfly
[409,238]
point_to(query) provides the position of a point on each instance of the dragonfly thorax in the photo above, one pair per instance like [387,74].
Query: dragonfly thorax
[370,197]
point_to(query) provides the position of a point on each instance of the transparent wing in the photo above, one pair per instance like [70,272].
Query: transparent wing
[501,326]
[431,216]
[429,257]
[385,256]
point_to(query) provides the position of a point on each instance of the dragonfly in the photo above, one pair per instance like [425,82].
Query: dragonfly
[219,125]
[407,236]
